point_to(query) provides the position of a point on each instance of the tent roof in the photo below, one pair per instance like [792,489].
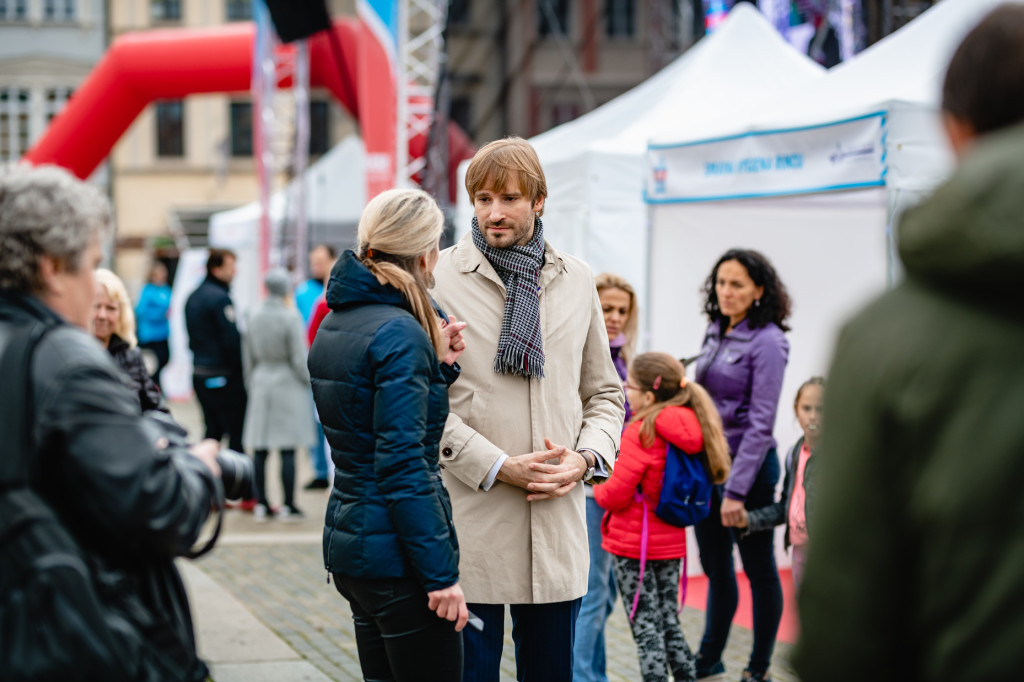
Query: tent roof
[744,60]
[907,66]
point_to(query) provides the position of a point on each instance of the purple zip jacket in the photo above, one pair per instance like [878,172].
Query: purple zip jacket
[743,373]
[616,345]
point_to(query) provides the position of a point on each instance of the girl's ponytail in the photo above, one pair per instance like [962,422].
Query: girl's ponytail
[665,376]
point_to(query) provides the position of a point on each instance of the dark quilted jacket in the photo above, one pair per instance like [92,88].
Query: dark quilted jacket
[382,397]
[129,358]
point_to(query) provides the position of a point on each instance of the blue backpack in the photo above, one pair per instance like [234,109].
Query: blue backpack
[686,491]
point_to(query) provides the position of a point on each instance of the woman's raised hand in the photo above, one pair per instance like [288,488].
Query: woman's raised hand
[452,331]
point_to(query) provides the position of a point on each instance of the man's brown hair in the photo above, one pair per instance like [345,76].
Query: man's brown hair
[984,84]
[500,162]
[217,258]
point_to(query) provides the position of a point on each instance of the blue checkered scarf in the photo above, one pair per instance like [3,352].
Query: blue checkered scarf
[520,345]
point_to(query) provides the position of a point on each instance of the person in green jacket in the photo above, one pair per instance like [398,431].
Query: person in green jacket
[916,569]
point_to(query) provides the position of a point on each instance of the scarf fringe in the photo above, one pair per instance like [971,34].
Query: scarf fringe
[511,361]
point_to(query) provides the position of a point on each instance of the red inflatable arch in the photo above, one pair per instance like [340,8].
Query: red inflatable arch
[172,63]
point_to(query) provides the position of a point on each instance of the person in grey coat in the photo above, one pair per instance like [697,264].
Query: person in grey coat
[278,414]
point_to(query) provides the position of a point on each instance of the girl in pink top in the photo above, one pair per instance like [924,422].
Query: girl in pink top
[791,508]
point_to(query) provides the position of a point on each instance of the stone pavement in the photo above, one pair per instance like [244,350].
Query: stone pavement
[264,610]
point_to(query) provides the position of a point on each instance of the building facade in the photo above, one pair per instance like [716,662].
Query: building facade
[47,47]
[524,66]
[182,160]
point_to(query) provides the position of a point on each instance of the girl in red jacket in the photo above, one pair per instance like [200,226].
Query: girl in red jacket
[666,407]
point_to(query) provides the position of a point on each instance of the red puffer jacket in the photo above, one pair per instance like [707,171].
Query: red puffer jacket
[645,467]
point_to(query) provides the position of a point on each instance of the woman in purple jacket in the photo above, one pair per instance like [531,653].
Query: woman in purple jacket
[741,365]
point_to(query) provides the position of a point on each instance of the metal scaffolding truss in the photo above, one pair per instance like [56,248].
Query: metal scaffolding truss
[420,47]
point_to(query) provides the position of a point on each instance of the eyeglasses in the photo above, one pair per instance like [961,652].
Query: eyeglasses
[634,388]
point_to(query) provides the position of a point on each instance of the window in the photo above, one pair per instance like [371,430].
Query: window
[170,129]
[13,10]
[239,10]
[553,16]
[60,10]
[56,98]
[458,12]
[241,129]
[619,18]
[319,128]
[165,10]
[563,113]
[461,111]
[14,121]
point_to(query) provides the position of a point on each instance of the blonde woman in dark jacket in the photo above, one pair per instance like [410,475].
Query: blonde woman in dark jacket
[381,365]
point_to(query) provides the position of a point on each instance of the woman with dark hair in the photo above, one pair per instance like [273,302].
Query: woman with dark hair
[741,365]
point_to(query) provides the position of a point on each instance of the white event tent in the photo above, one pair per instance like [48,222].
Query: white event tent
[815,181]
[594,165]
[335,188]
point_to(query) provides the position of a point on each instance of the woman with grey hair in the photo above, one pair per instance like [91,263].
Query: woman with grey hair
[278,415]
[130,505]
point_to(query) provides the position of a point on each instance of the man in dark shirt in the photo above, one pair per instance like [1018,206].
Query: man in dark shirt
[217,350]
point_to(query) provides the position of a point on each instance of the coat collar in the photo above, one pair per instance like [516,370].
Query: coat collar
[471,259]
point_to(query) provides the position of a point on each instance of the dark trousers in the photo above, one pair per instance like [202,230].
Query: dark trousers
[397,636]
[757,551]
[287,476]
[162,352]
[223,408]
[543,636]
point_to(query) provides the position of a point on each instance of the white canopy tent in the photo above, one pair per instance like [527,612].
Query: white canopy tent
[335,189]
[594,165]
[814,181]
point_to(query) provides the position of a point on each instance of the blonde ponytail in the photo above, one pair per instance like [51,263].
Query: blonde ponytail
[397,228]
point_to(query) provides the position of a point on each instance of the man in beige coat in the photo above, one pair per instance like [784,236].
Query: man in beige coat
[537,410]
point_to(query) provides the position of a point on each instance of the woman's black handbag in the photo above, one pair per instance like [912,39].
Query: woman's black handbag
[62,615]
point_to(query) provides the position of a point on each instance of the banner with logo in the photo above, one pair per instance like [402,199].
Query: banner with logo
[835,156]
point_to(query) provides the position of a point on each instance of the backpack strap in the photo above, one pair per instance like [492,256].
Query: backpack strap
[639,497]
[15,404]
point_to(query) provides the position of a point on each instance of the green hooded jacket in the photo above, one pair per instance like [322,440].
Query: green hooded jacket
[916,565]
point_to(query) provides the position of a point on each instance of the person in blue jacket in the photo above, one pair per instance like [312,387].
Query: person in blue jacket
[154,329]
[380,368]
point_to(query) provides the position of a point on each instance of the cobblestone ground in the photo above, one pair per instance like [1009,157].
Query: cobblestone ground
[277,571]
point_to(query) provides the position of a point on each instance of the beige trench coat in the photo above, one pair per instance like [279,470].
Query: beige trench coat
[514,551]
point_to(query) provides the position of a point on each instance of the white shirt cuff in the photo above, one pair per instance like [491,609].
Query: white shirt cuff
[493,473]
[600,469]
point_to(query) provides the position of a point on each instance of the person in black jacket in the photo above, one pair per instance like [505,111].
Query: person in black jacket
[113,324]
[381,365]
[130,504]
[217,351]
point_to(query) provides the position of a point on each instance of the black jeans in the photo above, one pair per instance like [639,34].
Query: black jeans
[757,551]
[287,476]
[223,408]
[397,636]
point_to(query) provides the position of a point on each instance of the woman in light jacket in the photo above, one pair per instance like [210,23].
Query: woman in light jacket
[278,415]
[741,365]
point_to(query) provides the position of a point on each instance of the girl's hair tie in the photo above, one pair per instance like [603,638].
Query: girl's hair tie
[657,383]
[682,382]
[370,253]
